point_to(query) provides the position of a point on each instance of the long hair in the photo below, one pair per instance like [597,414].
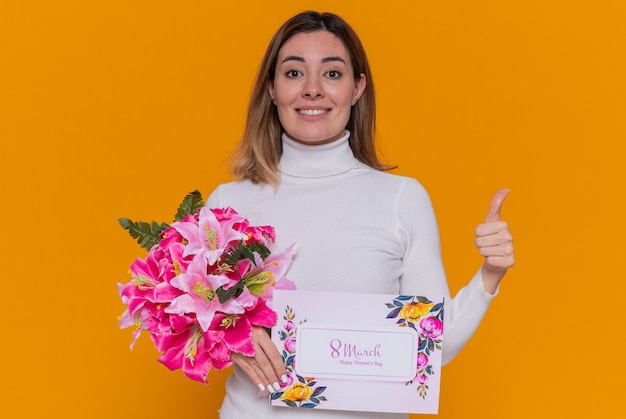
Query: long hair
[257,155]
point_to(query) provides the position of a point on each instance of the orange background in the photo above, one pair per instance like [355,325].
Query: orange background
[119,108]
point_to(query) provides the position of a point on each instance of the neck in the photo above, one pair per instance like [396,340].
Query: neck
[316,161]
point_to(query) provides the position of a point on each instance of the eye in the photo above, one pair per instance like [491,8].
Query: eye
[334,74]
[292,74]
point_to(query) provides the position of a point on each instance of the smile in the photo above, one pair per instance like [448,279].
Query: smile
[312,112]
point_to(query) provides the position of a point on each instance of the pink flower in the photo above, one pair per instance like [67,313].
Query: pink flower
[208,236]
[173,293]
[289,326]
[263,234]
[290,380]
[220,356]
[422,379]
[189,349]
[422,361]
[268,274]
[171,236]
[141,319]
[199,294]
[142,286]
[432,327]
[227,213]
[237,328]
[290,344]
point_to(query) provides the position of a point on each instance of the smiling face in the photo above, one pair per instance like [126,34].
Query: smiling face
[314,87]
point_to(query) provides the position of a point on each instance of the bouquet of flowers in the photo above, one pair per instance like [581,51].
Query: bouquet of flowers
[206,281]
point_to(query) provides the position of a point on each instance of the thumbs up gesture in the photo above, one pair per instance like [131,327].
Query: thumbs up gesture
[495,244]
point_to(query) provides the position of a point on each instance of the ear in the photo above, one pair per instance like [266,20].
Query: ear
[359,88]
[270,90]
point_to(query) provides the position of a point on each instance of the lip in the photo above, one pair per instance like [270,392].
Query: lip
[312,113]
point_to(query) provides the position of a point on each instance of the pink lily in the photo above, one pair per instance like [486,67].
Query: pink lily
[237,328]
[209,236]
[269,274]
[262,234]
[146,316]
[148,284]
[220,356]
[199,294]
[142,286]
[222,214]
[188,349]
[177,264]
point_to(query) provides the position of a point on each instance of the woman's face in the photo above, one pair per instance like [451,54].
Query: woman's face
[314,87]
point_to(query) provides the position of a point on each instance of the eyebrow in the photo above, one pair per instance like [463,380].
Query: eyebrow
[301,59]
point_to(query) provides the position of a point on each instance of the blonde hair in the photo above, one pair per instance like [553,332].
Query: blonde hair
[258,153]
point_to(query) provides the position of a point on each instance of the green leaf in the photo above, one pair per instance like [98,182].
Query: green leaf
[398,303]
[394,313]
[423,300]
[318,391]
[232,292]
[243,250]
[147,234]
[191,204]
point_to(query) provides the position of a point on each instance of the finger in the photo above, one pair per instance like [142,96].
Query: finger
[268,359]
[274,357]
[494,227]
[501,238]
[496,205]
[504,251]
[249,367]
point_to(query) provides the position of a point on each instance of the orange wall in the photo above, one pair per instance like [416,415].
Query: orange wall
[118,108]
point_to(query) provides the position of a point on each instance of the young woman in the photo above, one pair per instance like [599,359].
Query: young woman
[308,167]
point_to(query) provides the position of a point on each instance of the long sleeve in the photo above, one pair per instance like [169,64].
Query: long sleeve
[423,272]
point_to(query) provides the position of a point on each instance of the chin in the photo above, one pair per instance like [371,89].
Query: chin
[316,139]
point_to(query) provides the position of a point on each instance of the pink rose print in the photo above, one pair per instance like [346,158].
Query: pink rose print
[432,327]
[422,361]
[290,344]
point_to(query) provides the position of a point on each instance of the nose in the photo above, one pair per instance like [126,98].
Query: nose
[312,88]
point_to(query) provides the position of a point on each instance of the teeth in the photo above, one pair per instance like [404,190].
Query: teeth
[311,112]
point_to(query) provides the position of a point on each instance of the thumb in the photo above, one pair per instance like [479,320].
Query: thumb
[496,205]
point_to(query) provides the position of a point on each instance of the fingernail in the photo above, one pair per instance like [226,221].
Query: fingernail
[270,389]
[284,378]
[276,386]
[261,387]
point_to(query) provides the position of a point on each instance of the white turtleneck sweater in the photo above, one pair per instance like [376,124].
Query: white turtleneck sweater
[358,230]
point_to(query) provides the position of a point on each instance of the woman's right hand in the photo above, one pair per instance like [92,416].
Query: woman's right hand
[266,368]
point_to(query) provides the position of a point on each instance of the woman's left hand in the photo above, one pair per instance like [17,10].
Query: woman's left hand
[495,244]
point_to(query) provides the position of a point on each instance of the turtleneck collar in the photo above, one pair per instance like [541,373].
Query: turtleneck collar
[316,161]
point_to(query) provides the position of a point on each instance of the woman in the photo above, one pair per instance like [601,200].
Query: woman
[308,167]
